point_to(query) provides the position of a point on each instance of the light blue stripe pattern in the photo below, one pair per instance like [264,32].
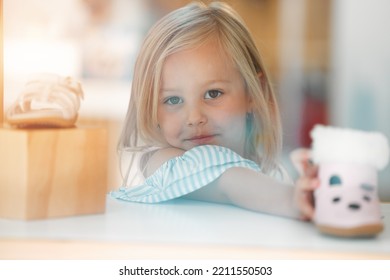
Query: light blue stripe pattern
[181,175]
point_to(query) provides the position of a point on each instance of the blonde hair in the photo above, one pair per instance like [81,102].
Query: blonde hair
[185,28]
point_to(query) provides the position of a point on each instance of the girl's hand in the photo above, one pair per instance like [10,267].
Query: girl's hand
[306,183]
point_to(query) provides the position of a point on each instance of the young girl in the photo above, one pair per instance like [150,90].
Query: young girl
[205,120]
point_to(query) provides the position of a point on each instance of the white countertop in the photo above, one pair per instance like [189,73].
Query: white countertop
[185,224]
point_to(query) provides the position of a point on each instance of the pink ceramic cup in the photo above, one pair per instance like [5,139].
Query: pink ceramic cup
[347,202]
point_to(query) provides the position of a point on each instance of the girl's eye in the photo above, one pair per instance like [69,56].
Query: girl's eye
[212,94]
[173,100]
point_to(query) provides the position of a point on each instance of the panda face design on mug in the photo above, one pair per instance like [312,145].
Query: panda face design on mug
[347,202]
[367,192]
[346,189]
[347,195]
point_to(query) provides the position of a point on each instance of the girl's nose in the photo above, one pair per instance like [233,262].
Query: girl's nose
[196,116]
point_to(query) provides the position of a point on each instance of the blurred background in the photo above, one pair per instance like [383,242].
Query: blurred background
[329,60]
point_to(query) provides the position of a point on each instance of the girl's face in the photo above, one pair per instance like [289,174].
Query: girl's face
[202,100]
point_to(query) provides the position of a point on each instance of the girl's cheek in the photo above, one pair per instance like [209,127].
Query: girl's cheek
[171,127]
[231,117]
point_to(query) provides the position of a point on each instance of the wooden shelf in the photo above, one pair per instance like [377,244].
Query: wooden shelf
[48,173]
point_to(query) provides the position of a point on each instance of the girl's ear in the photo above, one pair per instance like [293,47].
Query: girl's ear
[249,104]
[260,76]
[262,80]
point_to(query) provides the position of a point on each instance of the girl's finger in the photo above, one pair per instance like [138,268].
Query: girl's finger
[307,184]
[298,158]
[307,206]
[309,169]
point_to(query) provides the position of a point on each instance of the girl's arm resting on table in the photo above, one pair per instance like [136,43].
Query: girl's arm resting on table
[259,192]
[256,191]
[239,186]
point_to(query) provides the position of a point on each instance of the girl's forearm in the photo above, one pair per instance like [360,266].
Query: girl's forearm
[239,186]
[255,191]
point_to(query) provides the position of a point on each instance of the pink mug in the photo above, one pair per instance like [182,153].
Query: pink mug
[347,202]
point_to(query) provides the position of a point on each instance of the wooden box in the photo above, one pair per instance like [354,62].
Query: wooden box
[47,173]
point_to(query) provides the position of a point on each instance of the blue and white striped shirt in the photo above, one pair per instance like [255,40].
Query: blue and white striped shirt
[181,175]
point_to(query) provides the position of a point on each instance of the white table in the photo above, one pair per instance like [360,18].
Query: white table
[182,229]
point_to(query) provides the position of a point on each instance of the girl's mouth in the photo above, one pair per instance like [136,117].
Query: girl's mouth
[202,139]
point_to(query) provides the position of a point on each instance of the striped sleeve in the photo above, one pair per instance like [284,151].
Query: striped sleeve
[181,175]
